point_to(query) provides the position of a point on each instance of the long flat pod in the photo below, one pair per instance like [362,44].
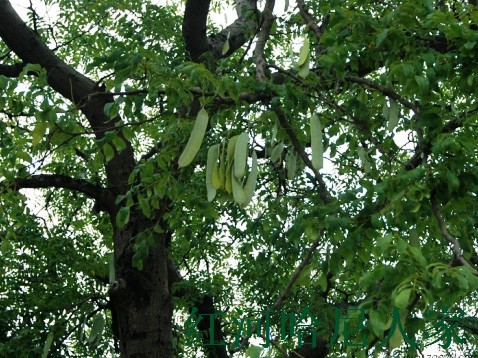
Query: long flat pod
[316,142]
[250,186]
[212,155]
[237,190]
[291,165]
[195,139]
[240,155]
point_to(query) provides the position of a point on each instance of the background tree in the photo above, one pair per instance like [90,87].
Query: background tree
[100,100]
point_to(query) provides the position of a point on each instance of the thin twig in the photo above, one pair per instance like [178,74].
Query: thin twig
[385,90]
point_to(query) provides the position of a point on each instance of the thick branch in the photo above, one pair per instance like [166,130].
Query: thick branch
[69,83]
[262,40]
[11,70]
[62,181]
[194,28]
[197,42]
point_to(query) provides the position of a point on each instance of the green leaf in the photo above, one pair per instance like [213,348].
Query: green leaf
[381,37]
[304,53]
[108,151]
[128,133]
[402,298]
[111,109]
[452,181]
[96,330]
[119,143]
[253,352]
[423,83]
[122,217]
[144,204]
[38,133]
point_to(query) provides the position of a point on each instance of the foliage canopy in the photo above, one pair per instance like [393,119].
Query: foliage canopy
[359,146]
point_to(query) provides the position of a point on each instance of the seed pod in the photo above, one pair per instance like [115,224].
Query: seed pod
[393,112]
[240,155]
[229,179]
[222,167]
[237,190]
[195,139]
[231,146]
[291,165]
[276,152]
[212,154]
[304,69]
[250,186]
[364,158]
[304,52]
[316,142]
[216,181]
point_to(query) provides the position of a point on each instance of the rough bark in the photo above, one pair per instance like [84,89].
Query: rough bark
[141,300]
[196,40]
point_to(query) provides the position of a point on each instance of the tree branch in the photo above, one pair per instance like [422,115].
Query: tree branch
[308,19]
[424,148]
[324,194]
[11,70]
[386,91]
[102,195]
[457,251]
[293,279]
[262,40]
[68,82]
[197,42]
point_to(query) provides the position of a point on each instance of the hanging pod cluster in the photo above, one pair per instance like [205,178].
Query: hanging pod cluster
[226,170]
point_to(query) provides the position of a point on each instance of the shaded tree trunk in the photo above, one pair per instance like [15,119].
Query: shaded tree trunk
[141,301]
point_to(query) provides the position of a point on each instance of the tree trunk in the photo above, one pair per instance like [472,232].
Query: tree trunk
[141,301]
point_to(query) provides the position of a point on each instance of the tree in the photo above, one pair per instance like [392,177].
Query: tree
[336,178]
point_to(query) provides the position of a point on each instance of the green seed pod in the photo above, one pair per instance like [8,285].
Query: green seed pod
[240,155]
[212,154]
[316,142]
[250,186]
[195,139]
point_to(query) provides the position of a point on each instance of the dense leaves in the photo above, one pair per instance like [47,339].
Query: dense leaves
[360,147]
